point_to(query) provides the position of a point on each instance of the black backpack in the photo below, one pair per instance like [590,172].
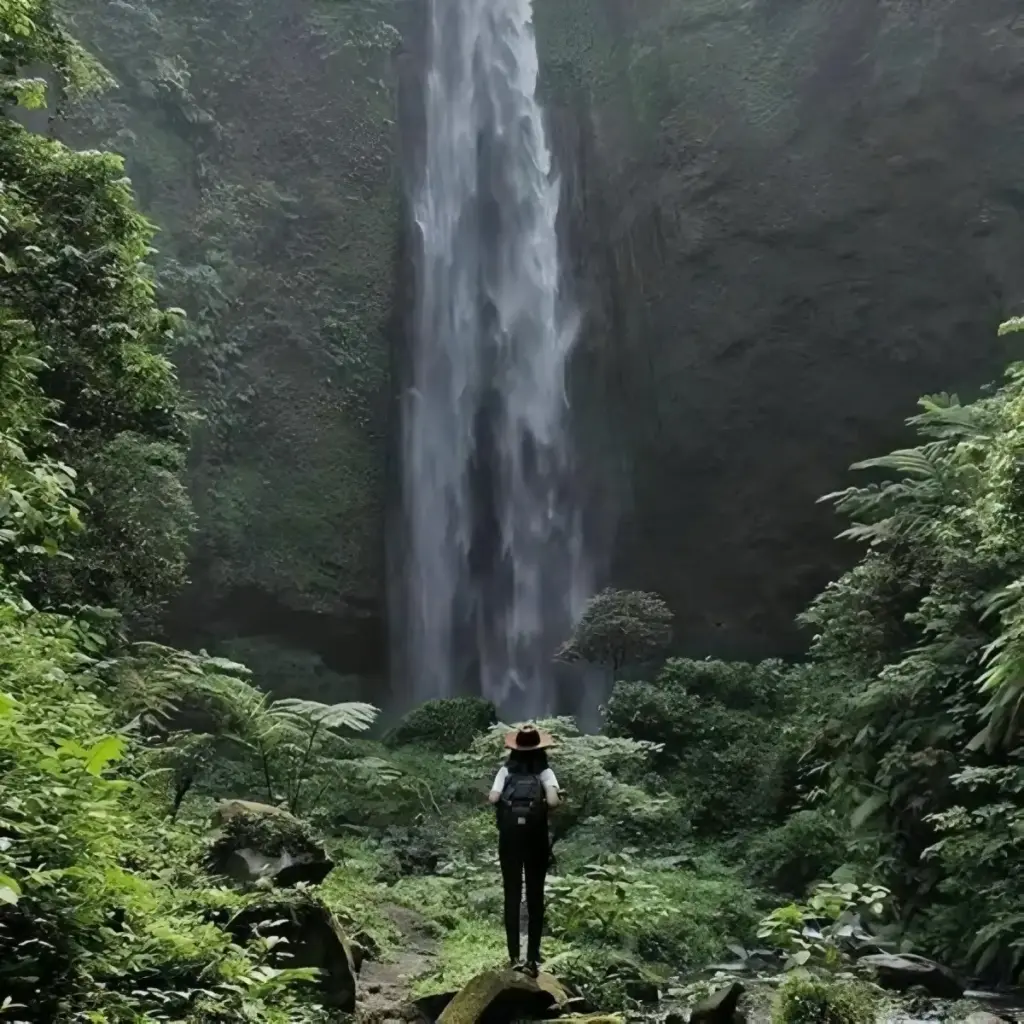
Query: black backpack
[523,806]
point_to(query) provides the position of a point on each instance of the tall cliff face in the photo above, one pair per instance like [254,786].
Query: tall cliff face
[790,220]
[785,220]
[260,138]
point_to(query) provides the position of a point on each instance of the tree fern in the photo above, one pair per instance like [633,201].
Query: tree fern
[353,716]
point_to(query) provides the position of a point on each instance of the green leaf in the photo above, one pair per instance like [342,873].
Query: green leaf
[10,891]
[103,753]
[870,806]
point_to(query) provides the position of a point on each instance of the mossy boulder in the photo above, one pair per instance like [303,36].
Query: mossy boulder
[256,841]
[449,724]
[308,934]
[498,997]
[804,999]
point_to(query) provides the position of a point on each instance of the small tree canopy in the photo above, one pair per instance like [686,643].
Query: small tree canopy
[619,626]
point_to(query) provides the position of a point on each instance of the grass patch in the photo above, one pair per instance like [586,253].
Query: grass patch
[353,892]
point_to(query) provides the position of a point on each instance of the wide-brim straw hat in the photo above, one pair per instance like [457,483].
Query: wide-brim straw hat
[529,738]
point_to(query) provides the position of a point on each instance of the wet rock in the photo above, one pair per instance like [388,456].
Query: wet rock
[431,1007]
[720,1007]
[368,944]
[984,1017]
[499,997]
[904,971]
[256,842]
[312,937]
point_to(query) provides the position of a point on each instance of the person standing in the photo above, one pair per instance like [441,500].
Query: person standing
[524,791]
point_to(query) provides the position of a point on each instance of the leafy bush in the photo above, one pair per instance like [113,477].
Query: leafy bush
[980,848]
[829,927]
[922,639]
[69,228]
[448,725]
[729,736]
[803,999]
[806,848]
[668,916]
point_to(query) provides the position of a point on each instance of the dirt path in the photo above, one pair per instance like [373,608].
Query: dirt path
[385,987]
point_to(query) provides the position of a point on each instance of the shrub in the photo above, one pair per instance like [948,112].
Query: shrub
[668,916]
[829,928]
[806,848]
[728,734]
[449,725]
[99,907]
[803,999]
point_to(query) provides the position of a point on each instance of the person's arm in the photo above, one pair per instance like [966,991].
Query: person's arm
[552,794]
[498,785]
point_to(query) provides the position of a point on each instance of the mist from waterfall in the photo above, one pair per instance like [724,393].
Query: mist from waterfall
[494,570]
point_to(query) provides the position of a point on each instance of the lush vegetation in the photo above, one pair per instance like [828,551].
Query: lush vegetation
[876,790]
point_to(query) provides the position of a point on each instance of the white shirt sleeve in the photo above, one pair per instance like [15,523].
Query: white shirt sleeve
[499,780]
[548,779]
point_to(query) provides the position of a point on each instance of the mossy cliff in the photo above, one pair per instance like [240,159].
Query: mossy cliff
[259,138]
[784,221]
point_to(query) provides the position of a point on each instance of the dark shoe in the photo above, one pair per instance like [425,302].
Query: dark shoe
[516,965]
[531,970]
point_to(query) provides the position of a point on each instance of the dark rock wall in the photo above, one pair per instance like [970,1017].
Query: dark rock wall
[798,217]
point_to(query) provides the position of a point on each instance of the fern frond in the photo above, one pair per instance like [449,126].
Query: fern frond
[354,716]
[1011,326]
[915,462]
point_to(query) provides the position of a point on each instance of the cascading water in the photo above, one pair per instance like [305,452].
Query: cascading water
[494,570]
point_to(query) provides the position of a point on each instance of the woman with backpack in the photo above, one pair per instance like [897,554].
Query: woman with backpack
[524,790]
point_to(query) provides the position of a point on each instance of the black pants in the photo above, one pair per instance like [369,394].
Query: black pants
[524,856]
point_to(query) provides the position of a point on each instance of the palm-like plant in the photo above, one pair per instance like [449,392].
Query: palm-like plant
[284,735]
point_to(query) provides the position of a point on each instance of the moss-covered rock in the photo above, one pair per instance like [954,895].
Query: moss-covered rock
[496,997]
[256,841]
[699,139]
[804,999]
[309,935]
[278,236]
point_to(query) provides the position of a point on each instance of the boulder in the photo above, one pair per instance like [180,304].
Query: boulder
[312,937]
[720,1007]
[256,841]
[903,971]
[984,1017]
[499,997]
[431,1007]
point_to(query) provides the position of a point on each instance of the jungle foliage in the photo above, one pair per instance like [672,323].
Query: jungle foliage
[924,640]
[718,789]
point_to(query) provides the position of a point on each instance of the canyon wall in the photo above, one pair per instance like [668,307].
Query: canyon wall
[784,222]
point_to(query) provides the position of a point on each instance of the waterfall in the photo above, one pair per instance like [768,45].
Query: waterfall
[494,571]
